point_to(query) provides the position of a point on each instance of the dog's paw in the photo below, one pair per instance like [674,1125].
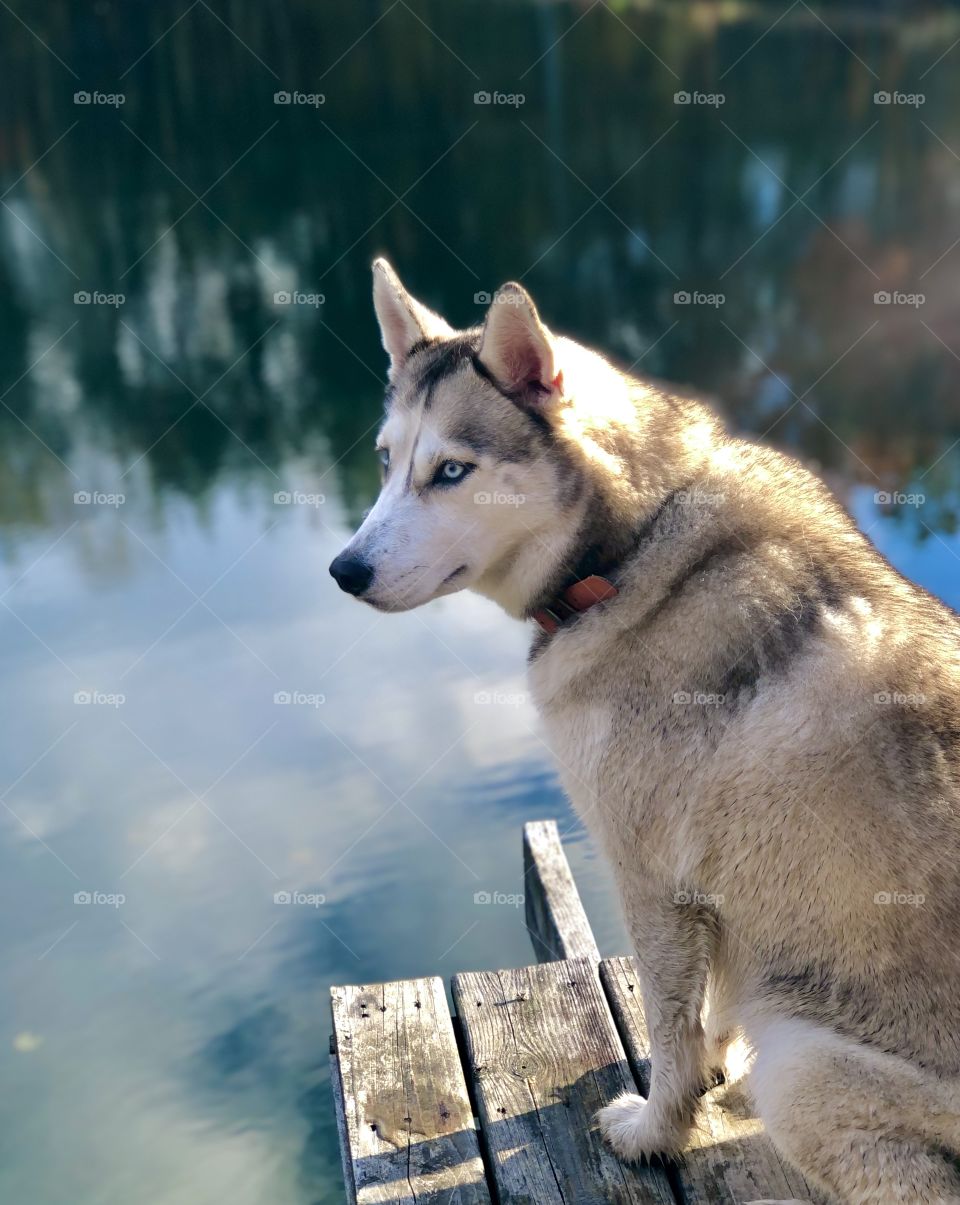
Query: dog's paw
[727,1059]
[713,1077]
[634,1131]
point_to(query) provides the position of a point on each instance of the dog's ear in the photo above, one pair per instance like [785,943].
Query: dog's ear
[404,322]
[517,349]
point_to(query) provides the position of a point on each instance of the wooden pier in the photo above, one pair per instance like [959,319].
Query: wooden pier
[497,1103]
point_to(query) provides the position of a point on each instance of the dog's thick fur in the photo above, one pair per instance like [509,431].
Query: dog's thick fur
[762,729]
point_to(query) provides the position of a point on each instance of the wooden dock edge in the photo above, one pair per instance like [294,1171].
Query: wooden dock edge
[346,1163]
[556,919]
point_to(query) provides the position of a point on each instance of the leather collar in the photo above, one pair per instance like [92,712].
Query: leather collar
[581,596]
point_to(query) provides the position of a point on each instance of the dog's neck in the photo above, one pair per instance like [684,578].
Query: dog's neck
[648,454]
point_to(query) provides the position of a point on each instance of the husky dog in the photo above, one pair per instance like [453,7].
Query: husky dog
[757,717]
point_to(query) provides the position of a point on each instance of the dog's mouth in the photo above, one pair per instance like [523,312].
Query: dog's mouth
[386,605]
[395,603]
[452,577]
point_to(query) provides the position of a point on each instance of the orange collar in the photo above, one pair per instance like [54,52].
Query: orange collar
[581,596]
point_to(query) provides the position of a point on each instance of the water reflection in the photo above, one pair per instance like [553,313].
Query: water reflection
[178,1041]
[798,200]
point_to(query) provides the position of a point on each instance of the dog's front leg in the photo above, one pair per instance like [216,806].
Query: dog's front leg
[674,942]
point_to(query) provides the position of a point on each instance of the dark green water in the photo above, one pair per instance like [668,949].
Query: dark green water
[172,1048]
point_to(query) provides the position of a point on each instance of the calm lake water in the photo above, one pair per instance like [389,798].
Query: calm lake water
[183,453]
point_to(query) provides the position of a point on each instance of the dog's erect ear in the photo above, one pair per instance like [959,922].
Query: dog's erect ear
[403,320]
[517,349]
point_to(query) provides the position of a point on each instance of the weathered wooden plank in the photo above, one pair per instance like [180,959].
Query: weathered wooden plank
[729,1160]
[338,1106]
[544,1056]
[556,919]
[406,1116]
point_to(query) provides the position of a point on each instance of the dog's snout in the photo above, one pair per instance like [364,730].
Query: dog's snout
[351,574]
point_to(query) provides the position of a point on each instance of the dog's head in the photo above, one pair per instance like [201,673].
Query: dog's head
[471,480]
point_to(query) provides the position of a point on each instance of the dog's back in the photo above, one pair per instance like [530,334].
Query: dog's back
[780,714]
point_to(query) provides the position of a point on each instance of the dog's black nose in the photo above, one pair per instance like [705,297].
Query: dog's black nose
[351,574]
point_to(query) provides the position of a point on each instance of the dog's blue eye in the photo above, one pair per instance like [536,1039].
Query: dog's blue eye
[450,472]
[384,456]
